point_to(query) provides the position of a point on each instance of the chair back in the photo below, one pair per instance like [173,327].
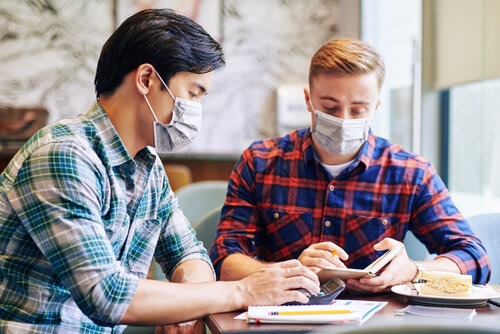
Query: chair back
[198,198]
[201,202]
[487,228]
[206,227]
[414,248]
[178,175]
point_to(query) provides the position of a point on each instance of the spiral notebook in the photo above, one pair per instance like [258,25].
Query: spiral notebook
[339,312]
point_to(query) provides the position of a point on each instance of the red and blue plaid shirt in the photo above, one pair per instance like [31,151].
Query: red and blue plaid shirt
[281,200]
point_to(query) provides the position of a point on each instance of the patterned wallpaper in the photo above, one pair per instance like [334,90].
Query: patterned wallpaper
[49,49]
[48,53]
[268,43]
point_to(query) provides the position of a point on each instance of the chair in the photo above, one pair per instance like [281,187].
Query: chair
[487,228]
[198,198]
[206,227]
[414,248]
[178,175]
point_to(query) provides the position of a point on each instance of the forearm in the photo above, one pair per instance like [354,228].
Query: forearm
[161,303]
[193,271]
[440,264]
[237,266]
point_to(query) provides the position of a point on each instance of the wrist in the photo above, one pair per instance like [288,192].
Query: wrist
[420,270]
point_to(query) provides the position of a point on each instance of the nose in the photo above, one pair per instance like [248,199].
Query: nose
[343,113]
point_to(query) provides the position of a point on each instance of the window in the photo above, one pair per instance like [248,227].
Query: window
[473,157]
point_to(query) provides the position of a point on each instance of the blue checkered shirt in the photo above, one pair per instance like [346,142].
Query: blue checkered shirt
[80,221]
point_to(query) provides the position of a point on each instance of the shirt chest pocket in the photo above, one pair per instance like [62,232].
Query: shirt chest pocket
[290,230]
[360,233]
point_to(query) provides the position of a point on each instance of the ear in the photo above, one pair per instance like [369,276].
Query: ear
[307,97]
[143,78]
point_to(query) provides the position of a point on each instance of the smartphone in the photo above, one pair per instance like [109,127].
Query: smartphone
[383,260]
[328,273]
[328,292]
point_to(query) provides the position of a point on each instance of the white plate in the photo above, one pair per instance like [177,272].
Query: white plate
[479,295]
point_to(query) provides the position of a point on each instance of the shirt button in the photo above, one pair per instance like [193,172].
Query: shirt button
[276,215]
[331,188]
[328,223]
[385,222]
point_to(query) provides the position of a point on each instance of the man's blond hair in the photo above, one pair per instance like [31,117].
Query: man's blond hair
[347,56]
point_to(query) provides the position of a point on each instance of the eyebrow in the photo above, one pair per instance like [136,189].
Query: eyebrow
[362,102]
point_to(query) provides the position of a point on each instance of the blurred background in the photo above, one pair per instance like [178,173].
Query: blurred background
[439,98]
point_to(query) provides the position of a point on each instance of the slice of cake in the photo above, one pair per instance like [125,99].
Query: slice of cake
[446,284]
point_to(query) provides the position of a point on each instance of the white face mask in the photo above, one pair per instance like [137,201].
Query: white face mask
[339,136]
[182,129]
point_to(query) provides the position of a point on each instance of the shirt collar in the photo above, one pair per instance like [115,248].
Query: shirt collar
[308,152]
[365,155]
[361,162]
[112,145]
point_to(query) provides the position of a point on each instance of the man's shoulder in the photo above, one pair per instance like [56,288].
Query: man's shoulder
[396,153]
[290,142]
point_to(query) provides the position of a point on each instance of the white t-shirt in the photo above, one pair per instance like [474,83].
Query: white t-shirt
[336,169]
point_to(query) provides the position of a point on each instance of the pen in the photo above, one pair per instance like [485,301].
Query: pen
[309,312]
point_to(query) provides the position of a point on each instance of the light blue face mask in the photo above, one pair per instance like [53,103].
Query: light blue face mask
[182,129]
[339,136]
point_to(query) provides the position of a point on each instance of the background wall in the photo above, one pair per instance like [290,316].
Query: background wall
[49,50]
[48,53]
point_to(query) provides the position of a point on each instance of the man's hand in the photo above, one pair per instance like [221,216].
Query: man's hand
[399,271]
[320,255]
[278,283]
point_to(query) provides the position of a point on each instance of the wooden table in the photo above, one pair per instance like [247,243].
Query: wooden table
[486,321]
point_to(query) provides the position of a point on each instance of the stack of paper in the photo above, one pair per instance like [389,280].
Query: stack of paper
[340,311]
[441,312]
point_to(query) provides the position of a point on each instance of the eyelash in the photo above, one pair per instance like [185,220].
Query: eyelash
[356,111]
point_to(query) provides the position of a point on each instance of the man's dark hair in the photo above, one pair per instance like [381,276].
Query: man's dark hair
[169,41]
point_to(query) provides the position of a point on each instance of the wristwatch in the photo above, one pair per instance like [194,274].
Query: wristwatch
[420,270]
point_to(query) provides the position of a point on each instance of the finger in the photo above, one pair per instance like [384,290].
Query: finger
[358,286]
[294,275]
[301,277]
[296,268]
[318,258]
[337,258]
[289,264]
[387,243]
[297,296]
[330,247]
[339,253]
[318,263]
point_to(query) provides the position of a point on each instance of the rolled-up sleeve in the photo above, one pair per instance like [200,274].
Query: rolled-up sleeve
[178,243]
[60,199]
[444,230]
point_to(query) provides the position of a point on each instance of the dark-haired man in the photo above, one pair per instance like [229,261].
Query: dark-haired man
[85,204]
